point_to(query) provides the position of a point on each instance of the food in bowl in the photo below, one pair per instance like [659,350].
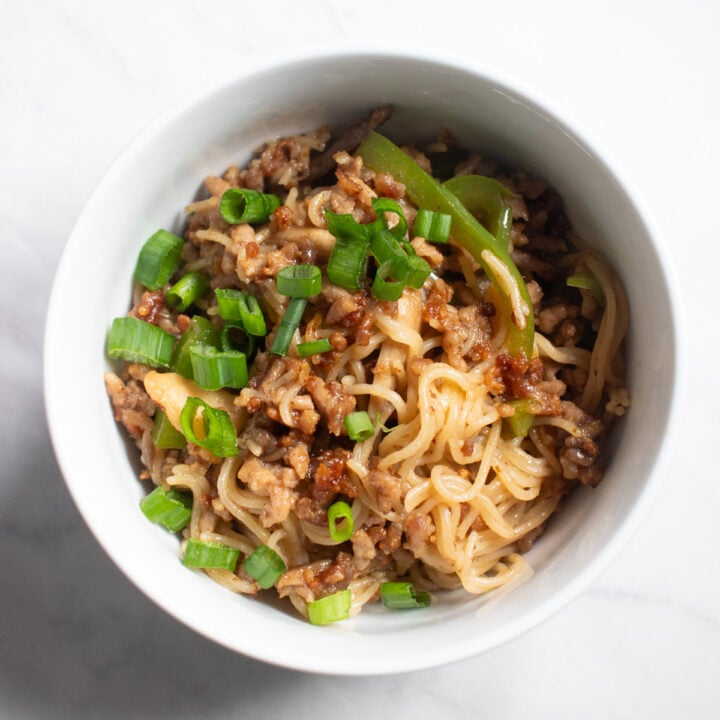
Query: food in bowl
[368,373]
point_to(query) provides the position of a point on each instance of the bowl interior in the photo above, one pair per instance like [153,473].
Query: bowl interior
[161,172]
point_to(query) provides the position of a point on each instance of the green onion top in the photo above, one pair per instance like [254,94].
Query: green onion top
[403,595]
[331,608]
[383,288]
[433,226]
[219,432]
[238,306]
[385,247]
[170,509]
[289,323]
[240,205]
[235,337]
[347,266]
[138,341]
[336,513]
[385,205]
[301,281]
[186,291]
[358,425]
[265,566]
[199,554]
[214,369]
[200,330]
[314,347]
[158,259]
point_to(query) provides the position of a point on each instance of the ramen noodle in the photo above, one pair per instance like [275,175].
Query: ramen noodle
[489,383]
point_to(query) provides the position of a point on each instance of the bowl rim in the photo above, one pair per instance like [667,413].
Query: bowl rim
[53,384]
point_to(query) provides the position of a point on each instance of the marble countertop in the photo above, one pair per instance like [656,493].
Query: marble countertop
[78,79]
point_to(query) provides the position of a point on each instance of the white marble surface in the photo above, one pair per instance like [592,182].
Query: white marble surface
[77,81]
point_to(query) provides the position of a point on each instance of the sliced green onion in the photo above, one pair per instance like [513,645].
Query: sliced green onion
[519,423]
[331,608]
[199,554]
[219,433]
[158,259]
[347,266]
[265,566]
[587,281]
[433,226]
[170,509]
[200,330]
[186,291]
[164,434]
[385,247]
[138,341]
[358,425]
[403,595]
[314,347]
[240,205]
[242,307]
[214,369]
[346,227]
[382,287]
[301,281]
[336,513]
[235,337]
[414,271]
[289,323]
[385,205]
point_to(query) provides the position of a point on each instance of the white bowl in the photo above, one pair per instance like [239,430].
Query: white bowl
[161,171]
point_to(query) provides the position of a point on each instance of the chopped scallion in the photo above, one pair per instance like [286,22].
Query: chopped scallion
[347,266]
[383,288]
[186,291]
[199,554]
[314,347]
[301,281]
[265,566]
[240,205]
[219,435]
[331,608]
[164,435]
[158,259]
[433,226]
[170,509]
[403,595]
[336,513]
[235,337]
[138,341]
[242,307]
[385,247]
[358,425]
[214,369]
[385,205]
[289,323]
[200,330]
[414,271]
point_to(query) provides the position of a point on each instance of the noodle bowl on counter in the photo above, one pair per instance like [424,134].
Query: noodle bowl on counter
[368,373]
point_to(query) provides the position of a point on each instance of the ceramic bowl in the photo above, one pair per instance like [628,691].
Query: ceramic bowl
[161,171]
